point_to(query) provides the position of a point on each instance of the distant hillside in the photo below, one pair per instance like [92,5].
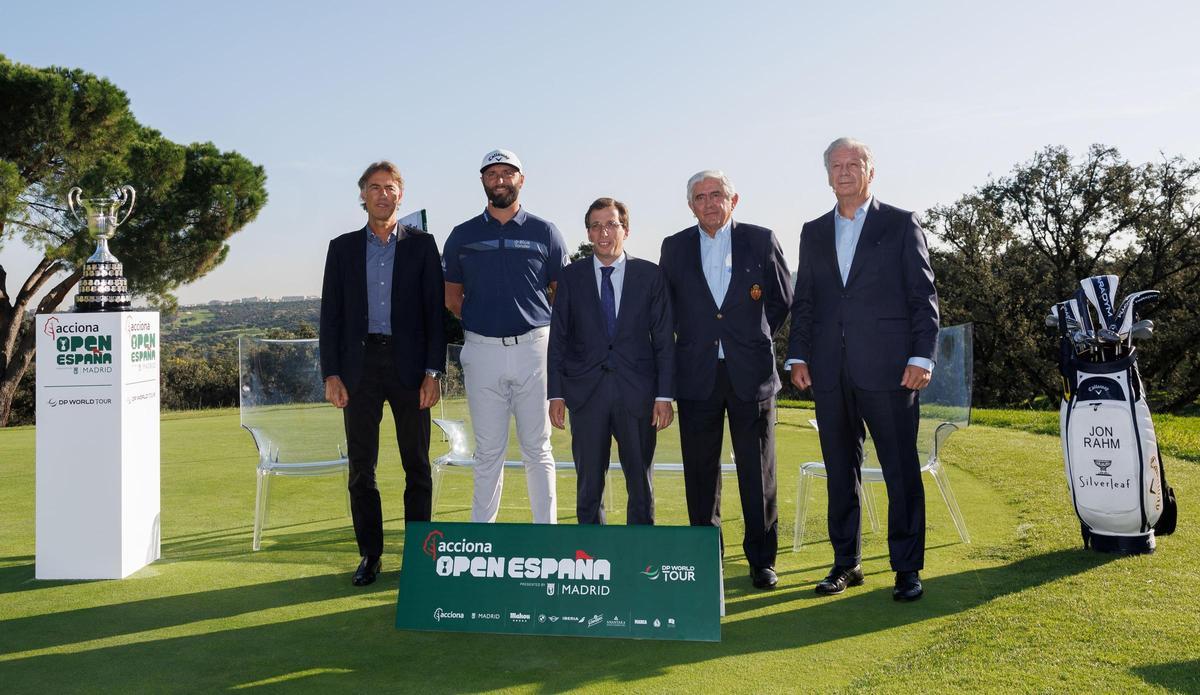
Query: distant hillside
[206,328]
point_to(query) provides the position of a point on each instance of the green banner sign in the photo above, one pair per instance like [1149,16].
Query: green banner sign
[645,582]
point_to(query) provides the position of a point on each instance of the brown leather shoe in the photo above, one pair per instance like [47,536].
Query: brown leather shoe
[840,577]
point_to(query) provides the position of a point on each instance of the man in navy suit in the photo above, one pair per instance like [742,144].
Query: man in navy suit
[611,362]
[730,290]
[382,338]
[864,336]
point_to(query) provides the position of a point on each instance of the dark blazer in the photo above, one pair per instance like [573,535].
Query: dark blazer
[642,353]
[745,321]
[887,311]
[418,295]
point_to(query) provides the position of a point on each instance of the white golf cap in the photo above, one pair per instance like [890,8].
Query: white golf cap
[500,157]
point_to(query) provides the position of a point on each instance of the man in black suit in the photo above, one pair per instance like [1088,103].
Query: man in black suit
[730,290]
[382,338]
[611,362]
[864,336]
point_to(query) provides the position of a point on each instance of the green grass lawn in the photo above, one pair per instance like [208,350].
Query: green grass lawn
[1021,609]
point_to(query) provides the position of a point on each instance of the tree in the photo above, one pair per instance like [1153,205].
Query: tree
[584,251]
[60,128]
[1018,244]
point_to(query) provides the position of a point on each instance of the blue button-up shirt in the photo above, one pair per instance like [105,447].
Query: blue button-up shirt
[846,233]
[505,270]
[716,260]
[618,278]
[381,256]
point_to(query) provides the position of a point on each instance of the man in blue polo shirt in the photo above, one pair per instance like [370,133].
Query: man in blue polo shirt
[501,270]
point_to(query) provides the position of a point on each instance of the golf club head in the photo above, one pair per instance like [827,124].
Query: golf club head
[1107,336]
[1131,308]
[1142,330]
[1077,308]
[1101,292]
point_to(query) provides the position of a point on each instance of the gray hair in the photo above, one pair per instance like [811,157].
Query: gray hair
[726,183]
[851,144]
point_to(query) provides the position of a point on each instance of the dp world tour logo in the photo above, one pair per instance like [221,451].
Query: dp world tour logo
[431,543]
[670,573]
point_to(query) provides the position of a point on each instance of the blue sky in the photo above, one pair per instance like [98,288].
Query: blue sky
[616,98]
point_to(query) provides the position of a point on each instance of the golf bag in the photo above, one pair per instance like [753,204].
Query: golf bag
[1114,471]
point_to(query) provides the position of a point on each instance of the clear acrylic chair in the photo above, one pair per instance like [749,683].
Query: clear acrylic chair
[945,409]
[283,407]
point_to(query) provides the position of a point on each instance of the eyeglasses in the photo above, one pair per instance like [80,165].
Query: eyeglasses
[610,227]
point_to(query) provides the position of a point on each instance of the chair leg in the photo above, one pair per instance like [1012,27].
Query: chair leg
[608,503]
[943,483]
[802,491]
[438,470]
[868,501]
[260,507]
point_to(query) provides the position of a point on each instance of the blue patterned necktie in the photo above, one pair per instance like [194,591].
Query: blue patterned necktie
[608,300]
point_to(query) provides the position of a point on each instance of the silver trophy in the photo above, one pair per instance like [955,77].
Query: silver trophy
[103,287]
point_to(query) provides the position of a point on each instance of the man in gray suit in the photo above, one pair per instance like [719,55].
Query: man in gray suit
[611,362]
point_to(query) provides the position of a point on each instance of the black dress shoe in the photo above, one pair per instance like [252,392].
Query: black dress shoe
[840,577]
[763,577]
[908,586]
[367,570]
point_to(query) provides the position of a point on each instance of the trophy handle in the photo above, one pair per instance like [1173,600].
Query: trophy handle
[75,202]
[128,195]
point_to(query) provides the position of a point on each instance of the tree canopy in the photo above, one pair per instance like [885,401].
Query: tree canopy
[61,128]
[1008,250]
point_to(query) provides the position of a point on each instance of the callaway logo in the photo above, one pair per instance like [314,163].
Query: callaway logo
[497,157]
[1098,389]
[431,541]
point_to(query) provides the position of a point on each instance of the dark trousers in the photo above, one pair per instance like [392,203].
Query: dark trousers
[892,417]
[593,427]
[752,429]
[362,417]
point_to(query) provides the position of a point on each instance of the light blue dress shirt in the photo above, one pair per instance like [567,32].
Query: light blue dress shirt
[716,260]
[381,256]
[618,278]
[846,234]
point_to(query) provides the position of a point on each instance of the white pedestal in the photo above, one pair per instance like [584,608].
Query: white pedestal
[97,444]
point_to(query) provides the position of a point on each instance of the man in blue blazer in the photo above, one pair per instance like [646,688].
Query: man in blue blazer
[382,338]
[730,290]
[611,362]
[864,336]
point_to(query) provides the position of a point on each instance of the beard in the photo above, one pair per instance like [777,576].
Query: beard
[502,197]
